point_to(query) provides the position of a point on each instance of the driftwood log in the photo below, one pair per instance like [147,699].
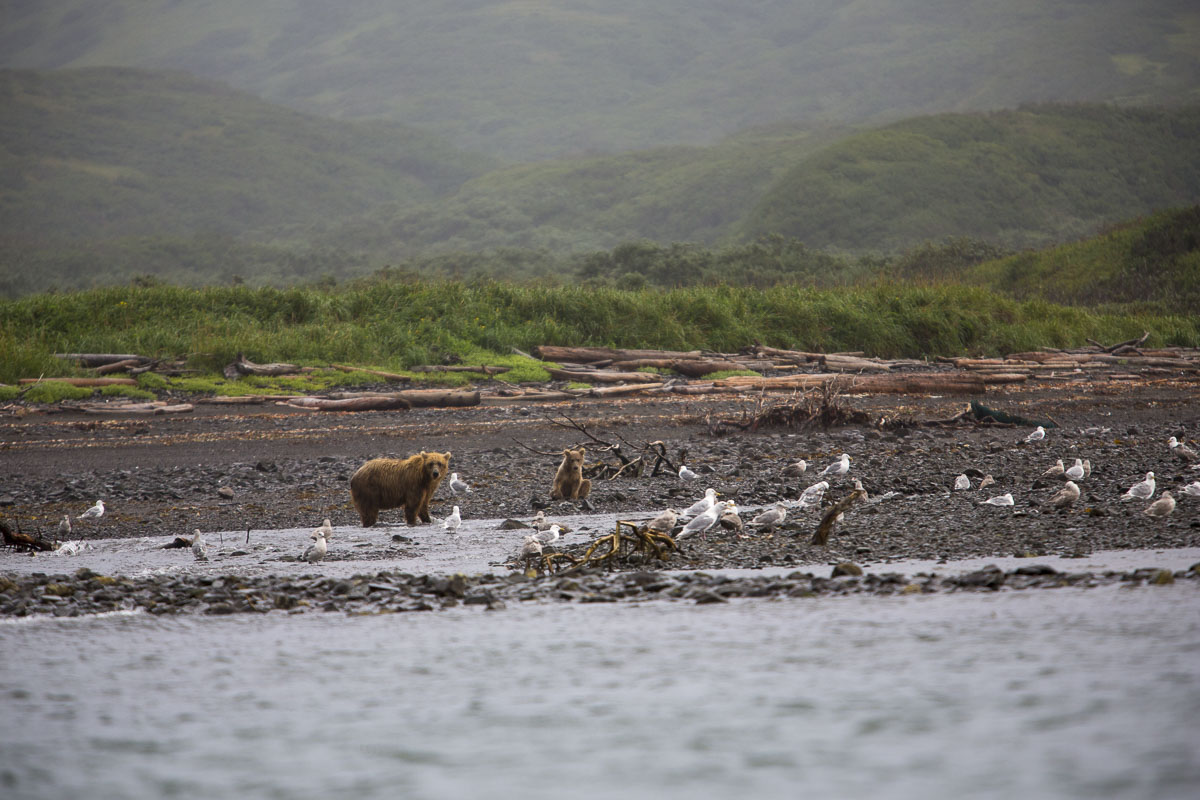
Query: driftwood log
[243,366]
[379,403]
[909,383]
[587,355]
[101,359]
[481,369]
[601,376]
[24,541]
[137,408]
[83,381]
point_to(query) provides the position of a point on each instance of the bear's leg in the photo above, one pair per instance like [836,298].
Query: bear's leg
[410,514]
[368,516]
[585,488]
[423,507]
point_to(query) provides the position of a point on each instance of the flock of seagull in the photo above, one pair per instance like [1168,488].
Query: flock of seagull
[707,512]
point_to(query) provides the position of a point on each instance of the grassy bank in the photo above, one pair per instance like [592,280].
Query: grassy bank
[393,325]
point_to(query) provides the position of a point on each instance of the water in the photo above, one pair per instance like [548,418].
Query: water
[1051,693]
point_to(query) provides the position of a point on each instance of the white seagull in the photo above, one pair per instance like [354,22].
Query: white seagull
[1142,490]
[325,530]
[457,486]
[199,546]
[812,495]
[839,467]
[771,517]
[64,527]
[549,536]
[686,474]
[1192,489]
[452,522]
[1002,500]
[1076,472]
[1162,506]
[962,482]
[1038,434]
[700,506]
[1066,496]
[702,523]
[317,550]
[95,512]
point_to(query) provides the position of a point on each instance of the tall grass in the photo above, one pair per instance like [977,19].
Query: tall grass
[392,325]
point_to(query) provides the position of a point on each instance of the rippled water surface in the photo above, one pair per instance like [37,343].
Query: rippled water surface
[1059,693]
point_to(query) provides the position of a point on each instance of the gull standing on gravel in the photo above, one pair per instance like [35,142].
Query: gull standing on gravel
[452,522]
[199,546]
[1038,434]
[839,467]
[962,482]
[702,523]
[664,522]
[458,486]
[1192,489]
[700,506]
[1182,451]
[317,550]
[325,530]
[1001,500]
[548,536]
[1162,506]
[95,512]
[771,518]
[729,519]
[1075,472]
[64,526]
[1055,470]
[812,495]
[1066,496]
[686,474]
[795,470]
[531,547]
[987,481]
[1142,490]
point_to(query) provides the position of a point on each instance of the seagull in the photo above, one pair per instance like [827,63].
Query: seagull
[452,522]
[325,530]
[1054,471]
[1038,434]
[531,547]
[539,522]
[729,519]
[1076,472]
[199,547]
[1002,500]
[1162,506]
[771,517]
[686,474]
[1182,451]
[317,550]
[1066,496]
[812,495]
[664,522]
[700,506]
[457,486]
[1192,489]
[795,470]
[1142,490]
[962,482]
[839,467]
[64,527]
[987,481]
[548,536]
[1087,468]
[95,512]
[702,523]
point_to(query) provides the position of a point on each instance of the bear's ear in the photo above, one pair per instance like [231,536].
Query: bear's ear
[447,454]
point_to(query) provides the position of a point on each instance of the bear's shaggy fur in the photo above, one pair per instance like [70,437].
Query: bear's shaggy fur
[384,483]
[569,483]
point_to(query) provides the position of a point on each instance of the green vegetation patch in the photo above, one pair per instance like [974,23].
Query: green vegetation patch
[55,392]
[131,392]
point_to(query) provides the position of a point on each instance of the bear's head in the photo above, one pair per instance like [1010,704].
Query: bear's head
[435,464]
[574,458]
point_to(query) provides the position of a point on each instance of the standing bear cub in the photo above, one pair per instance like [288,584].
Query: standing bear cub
[569,483]
[384,483]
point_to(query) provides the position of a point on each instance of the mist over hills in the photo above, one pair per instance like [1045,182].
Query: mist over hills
[533,79]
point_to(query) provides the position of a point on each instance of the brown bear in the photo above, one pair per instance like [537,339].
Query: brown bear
[569,483]
[384,483]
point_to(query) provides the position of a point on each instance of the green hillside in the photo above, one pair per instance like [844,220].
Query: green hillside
[103,153]
[531,79]
[1029,177]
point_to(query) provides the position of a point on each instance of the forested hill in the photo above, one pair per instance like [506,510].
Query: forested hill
[107,152]
[532,79]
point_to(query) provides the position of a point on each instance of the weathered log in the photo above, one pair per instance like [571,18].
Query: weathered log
[243,366]
[22,540]
[1130,343]
[245,399]
[584,355]
[119,366]
[697,368]
[353,404]
[83,381]
[619,391]
[482,369]
[527,397]
[909,383]
[100,359]
[137,408]
[600,376]
[837,363]
[415,397]
[996,378]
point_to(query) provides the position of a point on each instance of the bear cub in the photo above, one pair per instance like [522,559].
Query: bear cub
[569,483]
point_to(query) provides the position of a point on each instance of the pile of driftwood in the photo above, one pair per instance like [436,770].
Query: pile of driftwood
[1122,361]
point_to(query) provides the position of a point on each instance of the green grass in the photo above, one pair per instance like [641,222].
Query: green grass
[51,391]
[394,325]
[130,392]
[9,393]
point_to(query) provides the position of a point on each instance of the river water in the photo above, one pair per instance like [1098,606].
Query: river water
[1048,693]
